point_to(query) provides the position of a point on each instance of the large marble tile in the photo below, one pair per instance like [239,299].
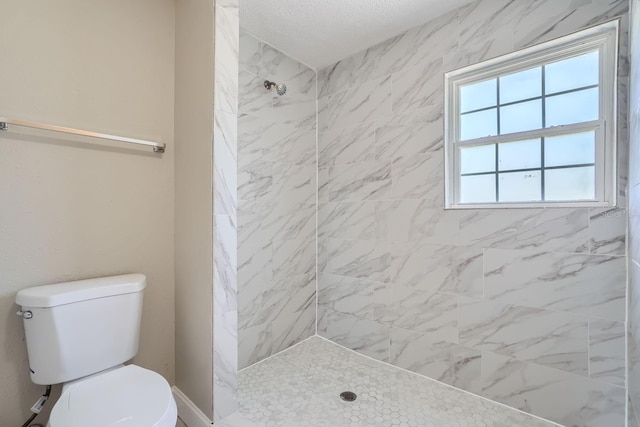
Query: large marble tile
[287,143]
[294,315]
[366,103]
[631,416]
[289,222]
[592,285]
[418,87]
[299,79]
[250,134]
[362,181]
[346,72]
[607,231]
[366,259]
[250,54]
[254,344]
[293,257]
[347,220]
[323,185]
[294,184]
[562,230]
[288,110]
[546,20]
[554,339]
[538,390]
[422,266]
[416,310]
[225,171]
[255,176]
[362,298]
[419,45]
[419,177]
[416,132]
[428,267]
[607,351]
[353,144]
[485,30]
[364,336]
[255,267]
[322,106]
[226,40]
[441,360]
[225,266]
[416,221]
[253,98]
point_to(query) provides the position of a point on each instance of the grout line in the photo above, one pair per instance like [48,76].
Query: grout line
[317,203]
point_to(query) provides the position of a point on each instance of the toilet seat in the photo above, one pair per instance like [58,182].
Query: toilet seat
[130,396]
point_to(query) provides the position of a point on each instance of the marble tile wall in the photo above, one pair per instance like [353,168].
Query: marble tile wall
[225,214]
[277,187]
[523,306]
[633,338]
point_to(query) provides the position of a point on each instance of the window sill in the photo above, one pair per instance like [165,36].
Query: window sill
[545,205]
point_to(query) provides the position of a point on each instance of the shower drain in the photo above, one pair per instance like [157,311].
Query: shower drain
[348,396]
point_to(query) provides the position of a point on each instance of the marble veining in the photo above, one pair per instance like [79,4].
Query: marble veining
[587,284]
[549,338]
[225,201]
[524,306]
[277,185]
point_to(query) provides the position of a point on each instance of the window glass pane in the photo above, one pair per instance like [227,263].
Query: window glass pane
[477,125]
[520,187]
[519,155]
[574,149]
[478,188]
[478,159]
[478,95]
[521,117]
[574,107]
[572,73]
[570,184]
[523,85]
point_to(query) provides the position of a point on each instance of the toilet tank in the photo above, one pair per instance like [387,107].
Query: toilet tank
[76,329]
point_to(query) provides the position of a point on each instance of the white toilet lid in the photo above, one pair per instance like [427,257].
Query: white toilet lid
[130,396]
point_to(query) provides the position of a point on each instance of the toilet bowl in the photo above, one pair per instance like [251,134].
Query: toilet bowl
[128,396]
[79,334]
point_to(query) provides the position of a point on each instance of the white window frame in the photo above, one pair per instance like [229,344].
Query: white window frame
[603,37]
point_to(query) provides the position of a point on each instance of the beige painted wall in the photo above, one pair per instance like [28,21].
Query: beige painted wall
[72,209]
[194,204]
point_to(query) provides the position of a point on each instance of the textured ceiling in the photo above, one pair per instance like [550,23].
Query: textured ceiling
[321,32]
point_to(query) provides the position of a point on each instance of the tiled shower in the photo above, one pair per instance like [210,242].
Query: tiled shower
[342,229]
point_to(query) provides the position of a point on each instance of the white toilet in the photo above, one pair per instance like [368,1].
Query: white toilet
[80,334]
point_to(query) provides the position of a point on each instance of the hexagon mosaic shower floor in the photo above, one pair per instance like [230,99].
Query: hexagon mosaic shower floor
[301,386]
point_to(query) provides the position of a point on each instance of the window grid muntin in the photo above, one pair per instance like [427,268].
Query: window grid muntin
[603,37]
[497,172]
[543,97]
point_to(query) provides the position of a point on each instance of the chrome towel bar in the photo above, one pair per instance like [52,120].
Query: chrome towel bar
[5,122]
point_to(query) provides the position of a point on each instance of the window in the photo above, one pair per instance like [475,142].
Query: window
[535,127]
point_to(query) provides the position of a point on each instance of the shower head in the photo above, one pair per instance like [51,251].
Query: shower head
[281,89]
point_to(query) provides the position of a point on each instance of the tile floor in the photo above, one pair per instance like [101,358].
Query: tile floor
[300,387]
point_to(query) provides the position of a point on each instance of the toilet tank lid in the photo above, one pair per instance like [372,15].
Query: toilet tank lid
[81,290]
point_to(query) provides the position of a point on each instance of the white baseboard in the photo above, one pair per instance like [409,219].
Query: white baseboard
[188,412]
